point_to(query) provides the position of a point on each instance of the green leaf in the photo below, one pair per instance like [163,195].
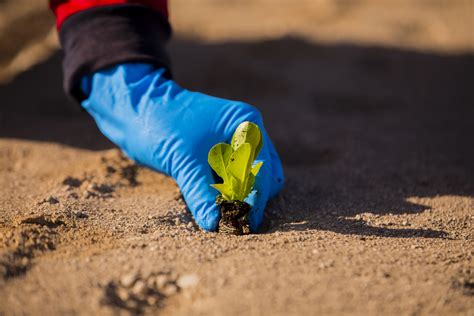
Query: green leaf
[248,132]
[236,186]
[218,159]
[256,168]
[224,189]
[249,186]
[234,163]
[239,167]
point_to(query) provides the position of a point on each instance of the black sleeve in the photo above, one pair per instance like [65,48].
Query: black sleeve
[101,37]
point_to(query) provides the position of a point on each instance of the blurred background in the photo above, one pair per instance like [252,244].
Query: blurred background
[227,46]
[27,33]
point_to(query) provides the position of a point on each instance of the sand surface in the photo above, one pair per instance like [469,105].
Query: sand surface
[371,109]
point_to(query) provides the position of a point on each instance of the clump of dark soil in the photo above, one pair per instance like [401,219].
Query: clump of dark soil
[234,217]
[120,168]
[50,200]
[43,220]
[134,292]
[464,281]
[72,182]
[21,246]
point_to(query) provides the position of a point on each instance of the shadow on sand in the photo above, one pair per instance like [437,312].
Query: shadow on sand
[359,129]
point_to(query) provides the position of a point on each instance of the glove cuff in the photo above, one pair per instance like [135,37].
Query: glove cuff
[101,37]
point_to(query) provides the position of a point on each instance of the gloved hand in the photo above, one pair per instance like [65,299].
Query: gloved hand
[169,129]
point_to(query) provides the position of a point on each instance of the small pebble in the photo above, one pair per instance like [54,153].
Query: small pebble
[123,294]
[128,279]
[139,288]
[160,281]
[188,281]
[169,289]
[151,300]
[150,282]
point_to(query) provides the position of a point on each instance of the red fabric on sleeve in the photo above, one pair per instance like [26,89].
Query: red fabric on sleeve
[64,8]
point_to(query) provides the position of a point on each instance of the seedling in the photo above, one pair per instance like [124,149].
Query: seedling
[234,164]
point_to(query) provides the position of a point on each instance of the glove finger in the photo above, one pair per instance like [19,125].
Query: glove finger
[194,180]
[258,198]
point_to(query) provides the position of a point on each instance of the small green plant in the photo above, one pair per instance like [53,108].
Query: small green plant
[234,162]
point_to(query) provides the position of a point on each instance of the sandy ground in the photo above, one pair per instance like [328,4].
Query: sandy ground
[371,109]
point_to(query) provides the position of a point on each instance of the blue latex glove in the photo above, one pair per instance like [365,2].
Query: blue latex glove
[160,125]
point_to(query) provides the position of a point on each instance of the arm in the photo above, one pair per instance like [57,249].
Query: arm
[116,66]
